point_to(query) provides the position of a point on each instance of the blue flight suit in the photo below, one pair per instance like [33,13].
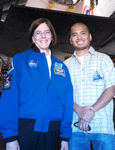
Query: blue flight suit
[32,96]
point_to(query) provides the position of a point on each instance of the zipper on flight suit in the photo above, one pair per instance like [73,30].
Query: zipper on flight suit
[46,106]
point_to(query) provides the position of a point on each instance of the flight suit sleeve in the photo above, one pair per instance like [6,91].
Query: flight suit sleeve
[9,102]
[66,129]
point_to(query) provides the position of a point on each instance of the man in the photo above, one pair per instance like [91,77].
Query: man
[93,78]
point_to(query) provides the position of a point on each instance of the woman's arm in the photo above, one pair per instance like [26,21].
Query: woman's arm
[66,129]
[9,103]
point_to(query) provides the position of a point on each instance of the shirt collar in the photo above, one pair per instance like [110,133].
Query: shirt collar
[49,55]
[91,51]
[36,49]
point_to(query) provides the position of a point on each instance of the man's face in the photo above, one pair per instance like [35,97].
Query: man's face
[80,37]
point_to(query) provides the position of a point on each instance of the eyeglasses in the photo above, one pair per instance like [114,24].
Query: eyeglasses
[89,128]
[39,33]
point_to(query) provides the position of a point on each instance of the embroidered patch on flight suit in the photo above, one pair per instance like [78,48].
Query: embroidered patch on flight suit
[32,63]
[7,83]
[58,65]
[58,69]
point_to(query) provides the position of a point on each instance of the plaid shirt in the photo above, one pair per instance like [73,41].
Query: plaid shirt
[90,78]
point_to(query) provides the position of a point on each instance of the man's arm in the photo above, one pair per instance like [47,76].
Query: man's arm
[86,113]
[104,99]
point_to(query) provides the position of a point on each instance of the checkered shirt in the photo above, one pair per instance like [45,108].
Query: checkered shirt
[90,78]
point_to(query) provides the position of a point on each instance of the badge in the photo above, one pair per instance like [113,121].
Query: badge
[97,77]
[7,83]
[59,71]
[58,65]
[32,63]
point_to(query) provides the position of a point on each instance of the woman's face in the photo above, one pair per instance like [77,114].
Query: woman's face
[42,37]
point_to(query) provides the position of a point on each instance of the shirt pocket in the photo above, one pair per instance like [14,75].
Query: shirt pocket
[98,83]
[98,80]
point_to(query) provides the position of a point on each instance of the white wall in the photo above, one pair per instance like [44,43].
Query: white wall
[104,8]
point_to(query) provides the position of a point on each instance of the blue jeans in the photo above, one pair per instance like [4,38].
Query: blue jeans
[114,142]
[81,141]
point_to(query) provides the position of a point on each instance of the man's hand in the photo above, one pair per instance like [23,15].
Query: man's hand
[14,145]
[64,145]
[83,125]
[86,113]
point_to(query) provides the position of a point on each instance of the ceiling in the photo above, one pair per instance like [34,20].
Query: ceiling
[5,5]
[13,30]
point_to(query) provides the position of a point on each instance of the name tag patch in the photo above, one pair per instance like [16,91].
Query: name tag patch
[97,77]
[59,71]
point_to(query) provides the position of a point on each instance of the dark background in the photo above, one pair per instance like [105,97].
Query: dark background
[13,32]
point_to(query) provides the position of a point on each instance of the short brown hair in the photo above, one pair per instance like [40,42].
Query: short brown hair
[35,24]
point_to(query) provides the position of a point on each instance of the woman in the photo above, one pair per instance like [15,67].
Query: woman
[37,100]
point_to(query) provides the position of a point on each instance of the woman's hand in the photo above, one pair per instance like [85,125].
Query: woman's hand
[64,145]
[14,145]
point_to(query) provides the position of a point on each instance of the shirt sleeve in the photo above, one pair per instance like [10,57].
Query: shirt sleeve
[9,102]
[108,71]
[66,122]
